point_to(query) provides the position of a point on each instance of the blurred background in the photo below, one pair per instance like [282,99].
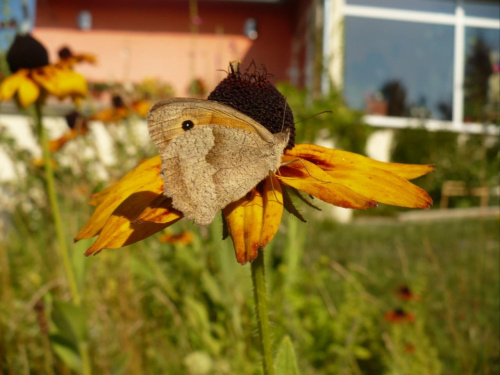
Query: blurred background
[384,291]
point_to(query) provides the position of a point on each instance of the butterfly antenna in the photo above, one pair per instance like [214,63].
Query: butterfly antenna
[305,167]
[310,117]
[272,186]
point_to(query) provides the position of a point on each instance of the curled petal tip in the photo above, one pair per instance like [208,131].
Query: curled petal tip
[92,251]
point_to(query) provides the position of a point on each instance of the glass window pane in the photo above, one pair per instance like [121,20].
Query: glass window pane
[398,68]
[488,9]
[438,6]
[482,75]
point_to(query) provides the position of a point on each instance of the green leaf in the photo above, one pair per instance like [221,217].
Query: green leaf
[67,353]
[70,321]
[304,199]
[285,362]
[225,231]
[289,206]
[211,286]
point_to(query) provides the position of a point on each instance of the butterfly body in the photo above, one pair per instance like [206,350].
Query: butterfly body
[212,155]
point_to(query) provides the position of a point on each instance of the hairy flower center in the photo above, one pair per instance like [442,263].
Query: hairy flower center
[26,53]
[253,95]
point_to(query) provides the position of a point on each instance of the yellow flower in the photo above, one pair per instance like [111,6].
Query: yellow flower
[183,238]
[77,125]
[135,207]
[32,75]
[69,59]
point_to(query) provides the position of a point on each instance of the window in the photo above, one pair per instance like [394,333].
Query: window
[487,9]
[437,60]
[396,68]
[441,6]
[482,75]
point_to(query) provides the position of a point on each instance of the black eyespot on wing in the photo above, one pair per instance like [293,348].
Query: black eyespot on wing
[187,125]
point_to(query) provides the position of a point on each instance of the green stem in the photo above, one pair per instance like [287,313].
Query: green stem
[260,295]
[62,244]
[54,205]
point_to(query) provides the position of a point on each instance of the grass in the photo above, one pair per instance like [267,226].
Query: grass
[156,308]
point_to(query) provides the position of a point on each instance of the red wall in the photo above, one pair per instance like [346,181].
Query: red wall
[151,38]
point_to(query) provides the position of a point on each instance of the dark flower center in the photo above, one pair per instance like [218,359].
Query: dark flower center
[117,101]
[253,95]
[26,53]
[64,53]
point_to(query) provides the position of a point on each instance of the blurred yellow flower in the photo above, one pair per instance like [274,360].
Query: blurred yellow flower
[33,77]
[182,238]
[69,59]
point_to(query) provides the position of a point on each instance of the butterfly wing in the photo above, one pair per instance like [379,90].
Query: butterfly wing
[216,161]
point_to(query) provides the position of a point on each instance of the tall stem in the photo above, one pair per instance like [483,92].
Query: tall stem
[54,205]
[62,244]
[261,308]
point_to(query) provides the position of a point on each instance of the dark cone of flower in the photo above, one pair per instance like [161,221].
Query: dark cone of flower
[26,53]
[253,95]
[117,102]
[64,53]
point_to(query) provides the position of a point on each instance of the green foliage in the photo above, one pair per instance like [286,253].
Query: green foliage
[473,159]
[188,309]
[344,125]
[285,362]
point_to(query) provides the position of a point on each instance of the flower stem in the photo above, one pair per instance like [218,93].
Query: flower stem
[62,244]
[54,205]
[261,308]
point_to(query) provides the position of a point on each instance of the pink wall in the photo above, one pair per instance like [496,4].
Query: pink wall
[134,40]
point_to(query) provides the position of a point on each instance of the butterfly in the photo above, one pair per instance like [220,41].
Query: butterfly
[211,154]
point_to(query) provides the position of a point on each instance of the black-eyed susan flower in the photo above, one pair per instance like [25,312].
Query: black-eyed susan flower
[77,124]
[182,238]
[69,59]
[116,113]
[135,207]
[32,77]
[404,293]
[399,316]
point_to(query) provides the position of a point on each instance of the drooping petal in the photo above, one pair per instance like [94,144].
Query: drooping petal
[28,92]
[253,220]
[48,78]
[160,211]
[10,85]
[381,186]
[144,178]
[311,179]
[273,209]
[97,198]
[328,158]
[71,83]
[124,226]
[111,114]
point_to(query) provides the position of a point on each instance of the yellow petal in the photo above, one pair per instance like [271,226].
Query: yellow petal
[10,85]
[28,92]
[328,158]
[273,210]
[123,228]
[97,198]
[71,84]
[311,179]
[61,81]
[48,78]
[144,178]
[381,186]
[160,211]
[253,220]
